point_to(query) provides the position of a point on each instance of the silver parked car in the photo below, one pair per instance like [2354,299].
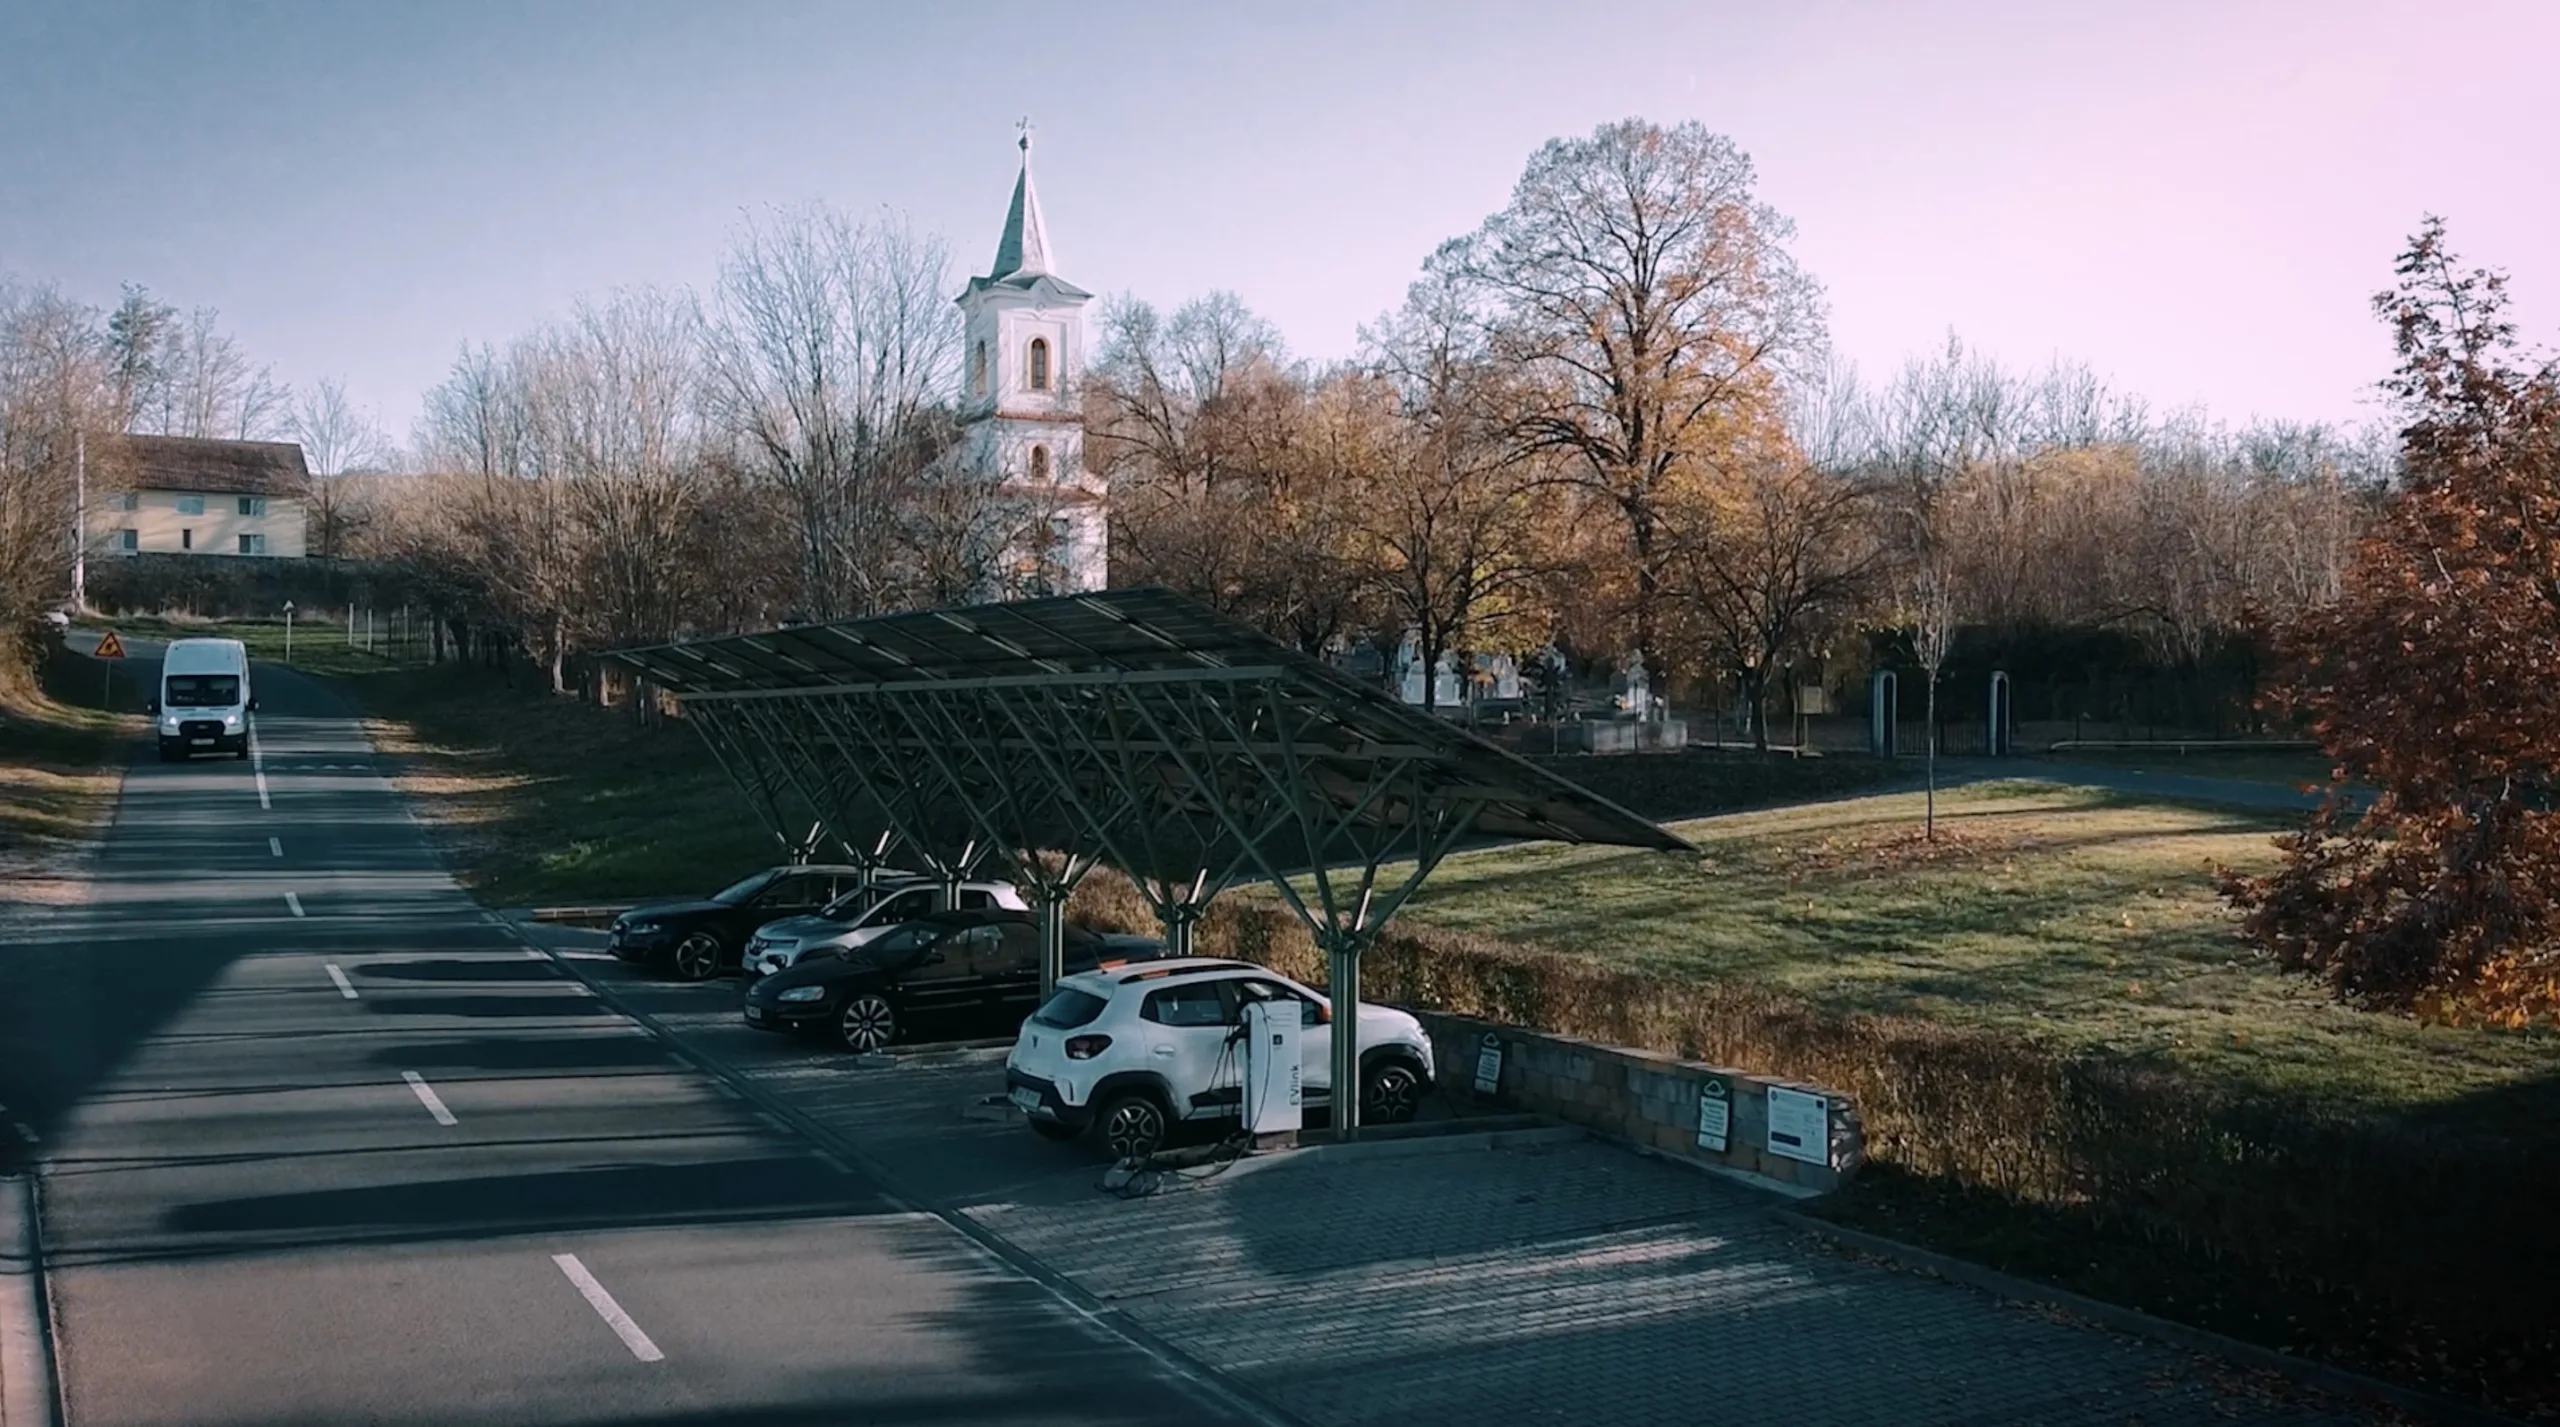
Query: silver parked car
[864,914]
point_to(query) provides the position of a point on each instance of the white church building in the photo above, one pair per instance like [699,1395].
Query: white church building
[1023,334]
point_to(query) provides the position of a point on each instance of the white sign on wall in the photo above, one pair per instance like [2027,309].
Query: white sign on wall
[1715,1114]
[1489,1066]
[1799,1125]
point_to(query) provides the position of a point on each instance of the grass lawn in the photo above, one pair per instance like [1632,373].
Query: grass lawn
[60,763]
[2067,914]
[543,801]
[318,647]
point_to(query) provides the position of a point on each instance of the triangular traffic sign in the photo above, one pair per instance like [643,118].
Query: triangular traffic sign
[110,647]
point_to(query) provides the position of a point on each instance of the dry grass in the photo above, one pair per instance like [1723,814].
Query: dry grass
[60,767]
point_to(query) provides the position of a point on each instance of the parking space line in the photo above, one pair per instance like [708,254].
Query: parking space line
[610,1311]
[535,953]
[258,764]
[427,1096]
[26,1132]
[293,902]
[275,846]
[345,987]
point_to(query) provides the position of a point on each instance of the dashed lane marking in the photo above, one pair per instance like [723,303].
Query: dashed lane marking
[610,1311]
[275,847]
[294,902]
[345,987]
[427,1096]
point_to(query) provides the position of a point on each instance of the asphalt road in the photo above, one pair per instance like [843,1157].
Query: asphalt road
[322,1143]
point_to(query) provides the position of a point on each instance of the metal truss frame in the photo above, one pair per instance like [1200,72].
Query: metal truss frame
[1132,729]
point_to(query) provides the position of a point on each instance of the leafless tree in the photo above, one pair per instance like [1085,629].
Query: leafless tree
[53,385]
[201,383]
[833,355]
[336,440]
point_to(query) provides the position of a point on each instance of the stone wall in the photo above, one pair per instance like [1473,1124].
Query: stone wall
[1653,1100]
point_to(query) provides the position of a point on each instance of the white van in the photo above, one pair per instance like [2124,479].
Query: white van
[204,701]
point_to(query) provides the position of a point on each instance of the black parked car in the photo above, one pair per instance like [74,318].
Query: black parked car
[942,973]
[698,940]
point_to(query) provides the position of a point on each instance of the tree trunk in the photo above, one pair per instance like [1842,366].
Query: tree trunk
[1755,690]
[1929,818]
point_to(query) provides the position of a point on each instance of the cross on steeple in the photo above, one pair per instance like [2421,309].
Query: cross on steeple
[1023,125]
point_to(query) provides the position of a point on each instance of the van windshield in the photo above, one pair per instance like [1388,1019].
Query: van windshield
[202,691]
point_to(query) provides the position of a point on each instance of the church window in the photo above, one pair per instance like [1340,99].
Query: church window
[1039,364]
[978,370]
[1039,459]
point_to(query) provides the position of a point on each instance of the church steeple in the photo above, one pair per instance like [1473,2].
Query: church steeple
[1024,249]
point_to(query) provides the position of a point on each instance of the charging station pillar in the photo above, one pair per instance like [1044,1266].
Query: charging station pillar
[1274,1092]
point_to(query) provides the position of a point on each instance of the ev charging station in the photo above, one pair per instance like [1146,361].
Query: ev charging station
[1274,1095]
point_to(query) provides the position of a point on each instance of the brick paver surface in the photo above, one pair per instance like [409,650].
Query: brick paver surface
[1574,1282]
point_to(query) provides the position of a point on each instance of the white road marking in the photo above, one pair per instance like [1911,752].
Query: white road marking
[610,1311]
[275,846]
[294,902]
[258,765]
[345,987]
[535,953]
[27,1133]
[427,1096]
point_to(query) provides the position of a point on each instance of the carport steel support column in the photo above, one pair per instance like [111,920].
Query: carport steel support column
[1343,985]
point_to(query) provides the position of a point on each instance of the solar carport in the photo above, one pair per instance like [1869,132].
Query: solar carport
[1134,728]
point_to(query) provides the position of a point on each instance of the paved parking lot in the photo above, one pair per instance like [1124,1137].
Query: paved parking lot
[1544,1282]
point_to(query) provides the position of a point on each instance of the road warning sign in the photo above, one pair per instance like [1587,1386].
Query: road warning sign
[110,647]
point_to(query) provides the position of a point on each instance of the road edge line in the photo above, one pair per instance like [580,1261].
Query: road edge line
[30,1393]
[1182,1366]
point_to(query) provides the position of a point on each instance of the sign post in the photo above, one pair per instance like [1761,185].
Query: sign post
[110,649]
[288,631]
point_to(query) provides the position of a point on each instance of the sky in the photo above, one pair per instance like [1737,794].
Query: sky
[2197,200]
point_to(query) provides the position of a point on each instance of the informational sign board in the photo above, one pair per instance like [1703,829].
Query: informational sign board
[1489,1066]
[1799,1125]
[110,647]
[1715,1114]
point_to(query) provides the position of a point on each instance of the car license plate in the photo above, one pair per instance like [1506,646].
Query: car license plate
[1025,1100]
[755,1013]
[200,742]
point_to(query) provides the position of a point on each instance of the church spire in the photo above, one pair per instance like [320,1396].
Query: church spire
[1024,249]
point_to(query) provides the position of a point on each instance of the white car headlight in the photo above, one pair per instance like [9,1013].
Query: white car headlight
[231,720]
[803,993]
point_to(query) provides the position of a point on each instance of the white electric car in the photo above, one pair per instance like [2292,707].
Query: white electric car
[1138,1055]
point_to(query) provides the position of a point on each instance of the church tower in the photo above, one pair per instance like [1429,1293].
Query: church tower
[1022,402]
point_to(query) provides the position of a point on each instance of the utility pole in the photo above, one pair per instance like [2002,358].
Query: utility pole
[80,520]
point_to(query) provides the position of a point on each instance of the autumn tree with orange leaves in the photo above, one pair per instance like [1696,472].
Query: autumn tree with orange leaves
[2435,680]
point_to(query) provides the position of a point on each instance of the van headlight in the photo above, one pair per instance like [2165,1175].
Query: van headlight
[168,723]
[231,720]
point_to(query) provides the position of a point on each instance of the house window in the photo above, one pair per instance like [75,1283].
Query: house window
[128,539]
[978,370]
[253,544]
[1059,528]
[191,505]
[1040,463]
[127,501]
[187,538]
[253,505]
[1039,364]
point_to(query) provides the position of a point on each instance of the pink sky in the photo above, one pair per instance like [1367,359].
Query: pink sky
[2196,199]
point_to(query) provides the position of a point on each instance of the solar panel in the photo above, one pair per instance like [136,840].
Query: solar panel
[1222,743]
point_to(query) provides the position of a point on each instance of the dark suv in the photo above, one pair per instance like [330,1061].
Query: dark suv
[699,939]
[945,973]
